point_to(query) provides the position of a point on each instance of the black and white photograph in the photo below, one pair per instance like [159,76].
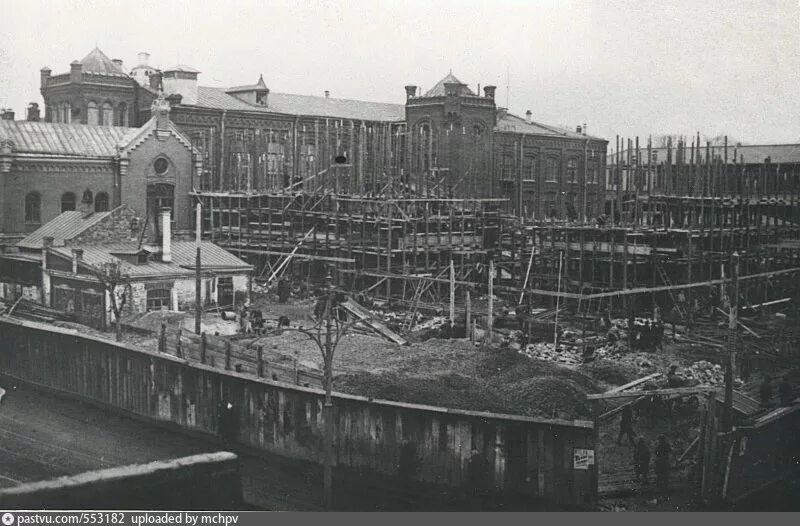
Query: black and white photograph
[389,256]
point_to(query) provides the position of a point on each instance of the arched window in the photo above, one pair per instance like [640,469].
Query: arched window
[88,198]
[123,115]
[101,202]
[108,114]
[67,202]
[91,113]
[33,207]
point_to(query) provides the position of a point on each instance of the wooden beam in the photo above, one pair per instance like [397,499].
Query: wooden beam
[657,392]
[633,383]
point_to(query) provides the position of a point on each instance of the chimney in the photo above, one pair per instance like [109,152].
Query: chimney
[198,226]
[578,129]
[411,92]
[181,80]
[144,58]
[75,71]
[529,116]
[327,94]
[33,112]
[488,91]
[44,75]
[77,255]
[155,81]
[47,243]
[584,128]
[166,235]
[118,62]
[159,109]
[7,114]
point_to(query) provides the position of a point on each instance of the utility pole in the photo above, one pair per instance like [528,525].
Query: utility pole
[198,299]
[732,322]
[327,409]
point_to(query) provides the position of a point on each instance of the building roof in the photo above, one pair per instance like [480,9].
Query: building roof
[258,86]
[79,140]
[97,255]
[749,154]
[438,89]
[184,253]
[182,68]
[62,228]
[508,122]
[217,98]
[98,63]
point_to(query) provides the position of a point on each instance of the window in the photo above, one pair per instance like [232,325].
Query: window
[122,120]
[108,114]
[508,168]
[68,202]
[161,166]
[529,169]
[67,113]
[551,170]
[158,299]
[33,207]
[572,170]
[101,202]
[91,113]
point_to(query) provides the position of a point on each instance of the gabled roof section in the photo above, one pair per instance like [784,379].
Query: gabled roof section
[97,255]
[73,140]
[62,228]
[438,89]
[508,122]
[212,256]
[135,137]
[98,63]
[258,86]
[287,104]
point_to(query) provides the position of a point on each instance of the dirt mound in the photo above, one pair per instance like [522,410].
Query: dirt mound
[547,396]
[611,373]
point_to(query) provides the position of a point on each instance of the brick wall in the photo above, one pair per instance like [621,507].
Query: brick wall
[115,228]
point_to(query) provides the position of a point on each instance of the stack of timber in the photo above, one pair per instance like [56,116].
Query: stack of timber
[360,313]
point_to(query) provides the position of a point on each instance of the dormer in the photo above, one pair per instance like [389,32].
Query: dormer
[133,257]
[255,94]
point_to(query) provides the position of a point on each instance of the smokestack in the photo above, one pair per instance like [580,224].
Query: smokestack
[488,91]
[529,116]
[33,112]
[75,71]
[44,76]
[166,236]
[77,255]
[578,129]
[411,92]
[327,94]
[7,114]
[144,58]
[155,80]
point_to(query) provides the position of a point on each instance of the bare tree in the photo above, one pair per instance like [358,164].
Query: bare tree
[118,286]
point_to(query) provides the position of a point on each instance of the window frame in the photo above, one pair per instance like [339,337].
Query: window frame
[29,201]
[150,302]
[64,199]
[551,165]
[101,197]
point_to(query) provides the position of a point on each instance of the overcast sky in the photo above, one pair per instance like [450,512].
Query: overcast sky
[624,67]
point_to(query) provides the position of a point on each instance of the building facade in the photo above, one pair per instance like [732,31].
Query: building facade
[447,142]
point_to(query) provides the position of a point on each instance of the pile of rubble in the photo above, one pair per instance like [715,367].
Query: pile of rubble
[704,373]
[547,351]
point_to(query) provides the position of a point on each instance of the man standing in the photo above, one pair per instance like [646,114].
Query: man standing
[626,425]
[641,460]
[662,464]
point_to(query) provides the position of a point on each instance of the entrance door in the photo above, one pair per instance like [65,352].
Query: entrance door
[225,292]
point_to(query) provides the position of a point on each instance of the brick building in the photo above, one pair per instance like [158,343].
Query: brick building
[47,168]
[447,142]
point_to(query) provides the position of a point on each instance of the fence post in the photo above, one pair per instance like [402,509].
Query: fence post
[162,339]
[178,350]
[227,356]
[203,344]
[260,351]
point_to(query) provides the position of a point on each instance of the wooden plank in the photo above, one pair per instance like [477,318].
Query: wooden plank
[658,392]
[365,316]
[633,383]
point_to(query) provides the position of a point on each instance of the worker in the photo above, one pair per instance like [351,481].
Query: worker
[641,460]
[626,426]
[785,392]
[765,392]
[663,450]
[673,378]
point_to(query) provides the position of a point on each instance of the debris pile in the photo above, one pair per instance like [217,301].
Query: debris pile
[547,351]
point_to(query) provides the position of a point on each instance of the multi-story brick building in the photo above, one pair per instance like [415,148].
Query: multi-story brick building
[447,142]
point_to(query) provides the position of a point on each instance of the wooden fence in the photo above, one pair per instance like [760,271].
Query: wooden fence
[533,458]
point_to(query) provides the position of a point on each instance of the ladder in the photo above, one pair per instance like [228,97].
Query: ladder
[668,282]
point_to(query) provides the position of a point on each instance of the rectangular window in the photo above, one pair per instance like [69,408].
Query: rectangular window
[529,169]
[572,171]
[508,168]
[158,299]
[551,170]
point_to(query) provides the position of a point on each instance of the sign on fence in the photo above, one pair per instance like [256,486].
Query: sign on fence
[583,458]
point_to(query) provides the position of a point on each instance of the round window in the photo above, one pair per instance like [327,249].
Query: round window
[161,166]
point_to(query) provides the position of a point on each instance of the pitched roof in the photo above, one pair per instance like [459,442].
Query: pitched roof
[97,255]
[304,105]
[98,63]
[212,256]
[181,67]
[78,140]
[258,86]
[438,89]
[508,122]
[62,228]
